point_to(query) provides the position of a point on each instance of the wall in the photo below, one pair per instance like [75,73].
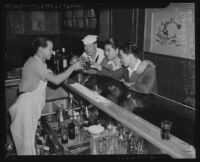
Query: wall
[175,72]
[104,18]
[18,44]
[122,24]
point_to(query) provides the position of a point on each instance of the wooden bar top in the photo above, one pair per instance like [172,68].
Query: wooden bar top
[174,147]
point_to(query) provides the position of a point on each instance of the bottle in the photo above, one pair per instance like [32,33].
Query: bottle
[60,122]
[71,125]
[64,136]
[64,59]
[57,61]
[46,146]
[54,62]
[71,130]
[70,105]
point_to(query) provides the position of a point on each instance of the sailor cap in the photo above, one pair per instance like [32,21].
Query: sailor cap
[89,39]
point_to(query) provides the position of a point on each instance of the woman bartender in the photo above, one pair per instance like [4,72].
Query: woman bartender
[26,111]
[138,75]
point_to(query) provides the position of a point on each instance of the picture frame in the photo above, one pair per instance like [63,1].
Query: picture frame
[172,33]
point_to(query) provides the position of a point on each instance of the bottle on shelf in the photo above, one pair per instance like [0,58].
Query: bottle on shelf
[57,61]
[54,62]
[64,59]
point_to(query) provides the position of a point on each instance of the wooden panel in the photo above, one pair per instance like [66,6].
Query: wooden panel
[175,77]
[174,147]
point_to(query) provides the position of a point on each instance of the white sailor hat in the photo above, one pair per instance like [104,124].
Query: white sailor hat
[89,39]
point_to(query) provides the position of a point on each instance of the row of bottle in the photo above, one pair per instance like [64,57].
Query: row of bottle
[67,129]
[43,144]
[59,60]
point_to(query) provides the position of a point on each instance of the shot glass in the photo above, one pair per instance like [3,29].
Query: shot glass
[166,126]
[87,65]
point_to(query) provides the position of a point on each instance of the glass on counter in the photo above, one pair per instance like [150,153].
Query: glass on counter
[166,126]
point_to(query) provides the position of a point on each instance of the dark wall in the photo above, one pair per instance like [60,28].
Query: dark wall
[18,45]
[122,24]
[175,77]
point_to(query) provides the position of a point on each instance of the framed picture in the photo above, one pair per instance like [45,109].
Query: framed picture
[172,33]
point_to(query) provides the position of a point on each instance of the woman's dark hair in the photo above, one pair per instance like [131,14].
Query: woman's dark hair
[113,42]
[40,42]
[129,47]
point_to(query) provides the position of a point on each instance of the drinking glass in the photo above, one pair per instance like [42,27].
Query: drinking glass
[166,126]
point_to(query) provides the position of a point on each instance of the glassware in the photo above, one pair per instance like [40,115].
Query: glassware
[166,129]
[93,143]
[100,145]
[87,65]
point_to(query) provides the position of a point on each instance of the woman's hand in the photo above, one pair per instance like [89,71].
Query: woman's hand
[96,66]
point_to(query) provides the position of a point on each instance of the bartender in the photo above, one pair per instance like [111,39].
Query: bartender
[26,111]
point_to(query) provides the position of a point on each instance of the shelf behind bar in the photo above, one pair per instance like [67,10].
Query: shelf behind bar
[174,147]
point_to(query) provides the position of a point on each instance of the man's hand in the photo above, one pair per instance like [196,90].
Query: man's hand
[96,66]
[74,59]
[78,66]
[128,84]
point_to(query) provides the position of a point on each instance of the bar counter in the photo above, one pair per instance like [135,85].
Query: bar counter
[146,116]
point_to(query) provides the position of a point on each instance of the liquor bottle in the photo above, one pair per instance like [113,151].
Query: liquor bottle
[71,130]
[54,62]
[70,105]
[46,146]
[57,61]
[64,59]
[64,112]
[60,122]
[64,136]
[71,126]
